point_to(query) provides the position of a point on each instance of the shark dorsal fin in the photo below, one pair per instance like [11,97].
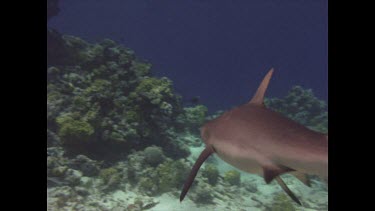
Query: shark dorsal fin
[258,98]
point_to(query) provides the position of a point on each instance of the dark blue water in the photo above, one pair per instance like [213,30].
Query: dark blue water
[216,49]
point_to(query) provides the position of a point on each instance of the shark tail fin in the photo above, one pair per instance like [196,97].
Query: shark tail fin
[287,190]
[258,98]
[202,157]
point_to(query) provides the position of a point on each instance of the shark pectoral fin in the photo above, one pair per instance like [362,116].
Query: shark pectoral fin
[272,171]
[202,157]
[287,190]
[302,177]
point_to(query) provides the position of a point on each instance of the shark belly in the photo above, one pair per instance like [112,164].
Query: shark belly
[307,166]
[243,159]
[252,161]
[310,161]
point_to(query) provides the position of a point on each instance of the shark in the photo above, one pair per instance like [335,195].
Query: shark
[260,141]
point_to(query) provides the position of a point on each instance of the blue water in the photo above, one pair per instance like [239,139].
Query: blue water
[218,50]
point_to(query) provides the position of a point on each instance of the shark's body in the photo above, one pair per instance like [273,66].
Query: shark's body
[260,141]
[252,138]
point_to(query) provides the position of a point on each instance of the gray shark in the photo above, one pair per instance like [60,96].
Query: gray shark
[260,141]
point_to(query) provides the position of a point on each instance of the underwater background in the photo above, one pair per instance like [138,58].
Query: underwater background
[129,84]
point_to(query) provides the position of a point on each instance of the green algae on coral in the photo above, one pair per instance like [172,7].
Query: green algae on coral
[154,155]
[203,194]
[303,107]
[282,203]
[111,93]
[193,117]
[107,173]
[99,86]
[111,178]
[142,68]
[232,177]
[166,177]
[211,173]
[73,130]
[153,90]
[148,186]
[171,174]
[59,171]
[132,116]
[114,99]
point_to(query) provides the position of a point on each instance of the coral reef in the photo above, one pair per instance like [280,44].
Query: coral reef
[166,177]
[106,174]
[281,202]
[154,155]
[139,204]
[73,130]
[154,179]
[302,106]
[171,175]
[62,175]
[251,187]
[232,177]
[111,178]
[193,117]
[86,165]
[100,96]
[211,173]
[73,177]
[202,194]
